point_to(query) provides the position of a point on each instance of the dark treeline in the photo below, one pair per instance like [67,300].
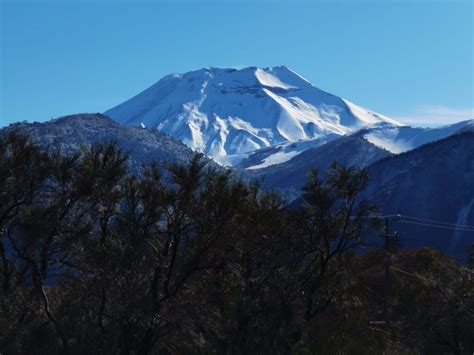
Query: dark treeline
[188,259]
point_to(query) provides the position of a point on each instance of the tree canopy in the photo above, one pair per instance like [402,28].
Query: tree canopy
[187,258]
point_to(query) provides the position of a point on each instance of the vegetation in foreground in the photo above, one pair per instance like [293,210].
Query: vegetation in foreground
[187,259]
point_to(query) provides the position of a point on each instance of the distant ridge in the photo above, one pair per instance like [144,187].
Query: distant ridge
[70,132]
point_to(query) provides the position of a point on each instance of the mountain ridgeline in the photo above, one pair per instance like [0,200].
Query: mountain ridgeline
[70,133]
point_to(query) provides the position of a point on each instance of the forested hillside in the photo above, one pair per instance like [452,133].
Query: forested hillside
[434,181]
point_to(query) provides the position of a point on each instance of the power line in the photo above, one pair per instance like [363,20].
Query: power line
[423,222]
[465,229]
[389,238]
[437,222]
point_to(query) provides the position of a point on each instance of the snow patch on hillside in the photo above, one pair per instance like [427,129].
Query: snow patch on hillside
[399,139]
[287,151]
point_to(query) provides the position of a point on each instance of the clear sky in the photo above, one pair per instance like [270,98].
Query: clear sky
[411,60]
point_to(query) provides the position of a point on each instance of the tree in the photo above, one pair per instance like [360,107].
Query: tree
[332,222]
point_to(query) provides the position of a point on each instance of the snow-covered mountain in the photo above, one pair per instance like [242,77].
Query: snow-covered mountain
[228,113]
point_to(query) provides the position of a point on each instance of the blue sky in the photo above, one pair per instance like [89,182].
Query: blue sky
[411,60]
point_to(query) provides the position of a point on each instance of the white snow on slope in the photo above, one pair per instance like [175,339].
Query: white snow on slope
[268,79]
[397,139]
[287,151]
[369,117]
[228,113]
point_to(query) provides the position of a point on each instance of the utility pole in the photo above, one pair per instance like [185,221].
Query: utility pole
[388,243]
